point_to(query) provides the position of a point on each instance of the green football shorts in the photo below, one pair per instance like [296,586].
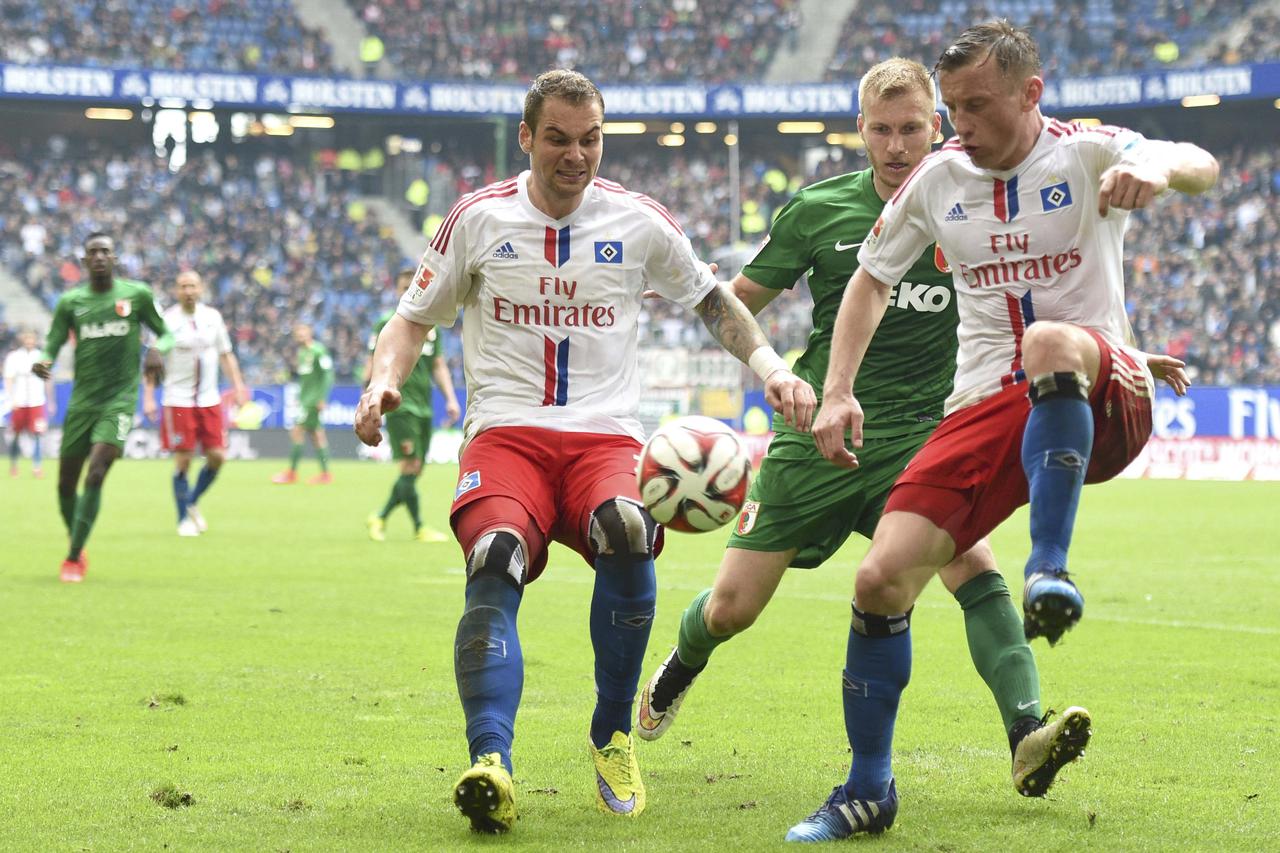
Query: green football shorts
[410,435]
[800,500]
[84,427]
[310,419]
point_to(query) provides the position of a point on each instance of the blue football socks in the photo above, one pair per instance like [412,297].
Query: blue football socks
[877,669]
[622,607]
[1056,444]
[181,494]
[489,666]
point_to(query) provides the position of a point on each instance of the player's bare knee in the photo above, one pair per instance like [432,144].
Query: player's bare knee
[622,527]
[214,458]
[1049,347]
[880,589]
[498,554]
[978,560]
[728,614]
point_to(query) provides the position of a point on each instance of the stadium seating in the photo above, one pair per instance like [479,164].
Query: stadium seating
[262,36]
[1086,38]
[615,40]
[277,241]
[280,239]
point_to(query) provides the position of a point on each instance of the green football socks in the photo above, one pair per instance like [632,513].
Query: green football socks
[696,643]
[67,505]
[410,497]
[295,456]
[999,648]
[322,453]
[86,513]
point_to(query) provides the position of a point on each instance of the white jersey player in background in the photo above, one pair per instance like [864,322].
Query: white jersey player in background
[193,412]
[1030,214]
[551,268]
[31,401]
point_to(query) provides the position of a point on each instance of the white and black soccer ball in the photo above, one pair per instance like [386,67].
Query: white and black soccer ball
[693,474]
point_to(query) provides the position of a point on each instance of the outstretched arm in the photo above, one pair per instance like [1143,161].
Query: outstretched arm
[732,325]
[1181,166]
[399,346]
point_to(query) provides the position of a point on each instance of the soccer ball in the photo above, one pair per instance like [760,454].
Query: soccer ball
[693,474]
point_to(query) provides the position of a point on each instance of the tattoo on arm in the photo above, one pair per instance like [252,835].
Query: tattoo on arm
[730,323]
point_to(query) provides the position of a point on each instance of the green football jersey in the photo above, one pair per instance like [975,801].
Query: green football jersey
[909,367]
[315,374]
[108,330]
[415,393]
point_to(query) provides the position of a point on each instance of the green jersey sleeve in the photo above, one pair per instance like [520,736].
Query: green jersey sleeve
[150,317]
[785,255]
[58,330]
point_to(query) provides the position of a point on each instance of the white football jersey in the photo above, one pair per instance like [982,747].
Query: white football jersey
[1023,245]
[191,367]
[25,388]
[549,307]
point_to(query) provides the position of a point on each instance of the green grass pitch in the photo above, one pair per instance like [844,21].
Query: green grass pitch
[283,683]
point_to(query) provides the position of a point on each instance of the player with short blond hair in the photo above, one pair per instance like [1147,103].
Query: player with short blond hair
[801,509]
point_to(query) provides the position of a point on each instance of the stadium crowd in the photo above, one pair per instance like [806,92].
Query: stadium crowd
[652,41]
[277,240]
[280,240]
[263,36]
[1094,38]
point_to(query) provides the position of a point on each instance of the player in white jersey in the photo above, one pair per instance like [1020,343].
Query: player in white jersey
[551,268]
[31,401]
[1029,213]
[192,403]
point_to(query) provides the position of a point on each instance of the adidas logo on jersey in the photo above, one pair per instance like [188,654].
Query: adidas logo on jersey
[956,214]
[507,252]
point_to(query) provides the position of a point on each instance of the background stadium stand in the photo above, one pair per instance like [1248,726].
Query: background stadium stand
[280,239]
[1093,37]
[282,232]
[263,36]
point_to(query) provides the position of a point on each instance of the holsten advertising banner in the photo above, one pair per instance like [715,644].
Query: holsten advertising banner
[1228,433]
[278,93]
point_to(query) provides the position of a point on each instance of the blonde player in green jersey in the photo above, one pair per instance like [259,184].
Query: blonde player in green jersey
[801,509]
[315,378]
[409,427]
[106,315]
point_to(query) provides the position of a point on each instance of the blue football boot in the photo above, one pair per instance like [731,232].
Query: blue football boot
[1051,605]
[840,817]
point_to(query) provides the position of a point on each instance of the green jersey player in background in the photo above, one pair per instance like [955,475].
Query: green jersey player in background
[106,315]
[409,427]
[315,378]
[801,509]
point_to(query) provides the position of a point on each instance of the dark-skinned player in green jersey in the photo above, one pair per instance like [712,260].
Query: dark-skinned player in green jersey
[106,315]
[801,508]
[409,426]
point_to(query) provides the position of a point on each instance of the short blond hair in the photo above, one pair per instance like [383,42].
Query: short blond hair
[894,77]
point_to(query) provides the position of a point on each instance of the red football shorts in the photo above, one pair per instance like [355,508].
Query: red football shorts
[554,479]
[968,477]
[182,427]
[28,419]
